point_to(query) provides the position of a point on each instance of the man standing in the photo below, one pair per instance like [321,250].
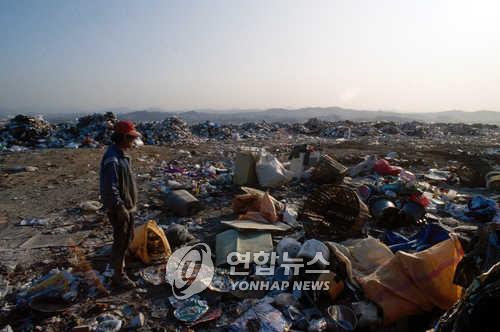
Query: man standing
[119,196]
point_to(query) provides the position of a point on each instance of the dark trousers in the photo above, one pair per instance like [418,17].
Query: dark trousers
[123,233]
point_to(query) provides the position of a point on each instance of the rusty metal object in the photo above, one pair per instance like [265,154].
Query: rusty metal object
[328,171]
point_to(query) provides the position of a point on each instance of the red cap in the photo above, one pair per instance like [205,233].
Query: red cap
[126,127]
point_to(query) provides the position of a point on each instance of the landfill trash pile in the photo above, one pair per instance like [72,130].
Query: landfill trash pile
[166,131]
[96,127]
[212,130]
[94,130]
[90,131]
[260,130]
[328,235]
[350,129]
[25,131]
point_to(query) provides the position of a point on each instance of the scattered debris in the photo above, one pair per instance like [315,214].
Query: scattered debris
[397,219]
[90,206]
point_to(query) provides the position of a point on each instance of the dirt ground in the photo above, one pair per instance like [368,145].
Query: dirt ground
[65,178]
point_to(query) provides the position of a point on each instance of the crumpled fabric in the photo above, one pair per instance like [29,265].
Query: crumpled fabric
[366,166]
[478,209]
[477,309]
[481,254]
[481,208]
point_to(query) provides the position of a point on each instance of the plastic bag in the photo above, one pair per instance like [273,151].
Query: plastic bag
[267,208]
[481,209]
[246,202]
[270,172]
[383,167]
[290,217]
[257,208]
[364,255]
[56,284]
[252,200]
[409,284]
[264,316]
[143,237]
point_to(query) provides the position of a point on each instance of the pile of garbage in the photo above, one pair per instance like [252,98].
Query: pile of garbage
[169,130]
[90,131]
[263,241]
[315,126]
[383,240]
[350,129]
[96,127]
[25,131]
[95,130]
[259,130]
[376,240]
[212,130]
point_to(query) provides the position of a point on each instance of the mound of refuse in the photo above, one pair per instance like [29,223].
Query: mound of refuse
[97,126]
[209,129]
[26,131]
[169,130]
[23,132]
[265,237]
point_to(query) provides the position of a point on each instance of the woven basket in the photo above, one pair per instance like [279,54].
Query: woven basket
[333,212]
[328,171]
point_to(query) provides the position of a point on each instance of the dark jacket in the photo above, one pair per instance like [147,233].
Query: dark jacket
[117,183]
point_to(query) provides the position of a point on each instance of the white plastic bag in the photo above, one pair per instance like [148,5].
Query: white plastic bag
[290,216]
[270,172]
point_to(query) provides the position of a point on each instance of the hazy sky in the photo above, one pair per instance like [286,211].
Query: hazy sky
[420,55]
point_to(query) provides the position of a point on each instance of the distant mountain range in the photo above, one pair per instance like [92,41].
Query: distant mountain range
[281,115]
[330,113]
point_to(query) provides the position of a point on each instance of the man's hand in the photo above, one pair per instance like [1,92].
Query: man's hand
[122,213]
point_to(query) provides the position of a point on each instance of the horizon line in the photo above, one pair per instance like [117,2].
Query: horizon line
[125,109]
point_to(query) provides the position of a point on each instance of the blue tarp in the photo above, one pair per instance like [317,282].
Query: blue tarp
[428,236]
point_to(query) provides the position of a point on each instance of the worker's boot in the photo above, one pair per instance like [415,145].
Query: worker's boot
[122,281]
